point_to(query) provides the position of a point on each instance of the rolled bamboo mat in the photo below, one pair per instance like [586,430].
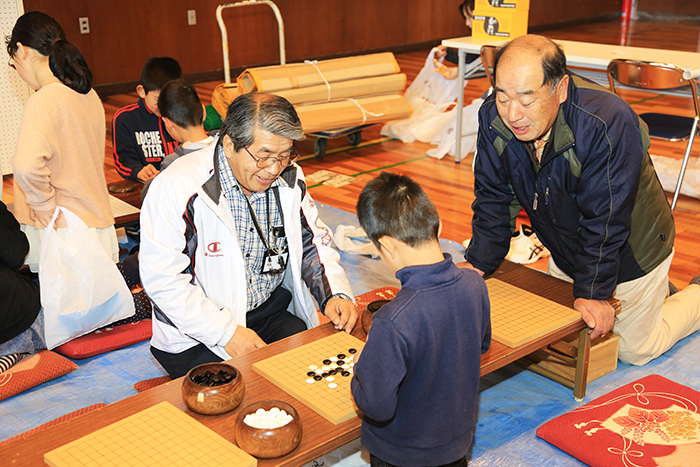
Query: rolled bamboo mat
[298,75]
[347,113]
[376,85]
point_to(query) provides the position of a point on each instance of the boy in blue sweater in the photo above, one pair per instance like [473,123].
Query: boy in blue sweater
[139,138]
[417,379]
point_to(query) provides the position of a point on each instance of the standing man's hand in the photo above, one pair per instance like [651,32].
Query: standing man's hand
[342,313]
[243,340]
[599,315]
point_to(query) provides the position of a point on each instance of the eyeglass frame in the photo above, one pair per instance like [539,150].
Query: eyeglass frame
[11,64]
[292,158]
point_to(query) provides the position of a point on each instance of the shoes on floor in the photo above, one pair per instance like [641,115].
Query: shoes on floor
[525,247]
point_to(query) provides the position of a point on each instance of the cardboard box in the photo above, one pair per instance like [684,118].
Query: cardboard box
[558,357]
[486,6]
[506,24]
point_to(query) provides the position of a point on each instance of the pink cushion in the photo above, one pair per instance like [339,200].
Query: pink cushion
[32,371]
[106,339]
[650,422]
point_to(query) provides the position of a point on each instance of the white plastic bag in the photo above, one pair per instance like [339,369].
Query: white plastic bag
[429,95]
[470,127]
[430,86]
[81,287]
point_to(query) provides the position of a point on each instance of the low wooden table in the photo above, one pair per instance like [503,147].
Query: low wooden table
[320,436]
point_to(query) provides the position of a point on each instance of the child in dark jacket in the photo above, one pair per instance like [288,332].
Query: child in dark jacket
[417,379]
[139,138]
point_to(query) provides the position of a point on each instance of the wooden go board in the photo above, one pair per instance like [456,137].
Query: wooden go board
[158,436]
[518,316]
[290,372]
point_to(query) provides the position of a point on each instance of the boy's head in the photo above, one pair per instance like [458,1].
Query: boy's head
[395,206]
[179,104]
[156,72]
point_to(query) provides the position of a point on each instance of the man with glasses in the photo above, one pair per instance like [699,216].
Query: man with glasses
[575,157]
[232,248]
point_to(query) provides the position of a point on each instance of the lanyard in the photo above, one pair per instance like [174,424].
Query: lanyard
[266,238]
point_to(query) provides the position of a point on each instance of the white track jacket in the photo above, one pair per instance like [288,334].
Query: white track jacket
[192,267]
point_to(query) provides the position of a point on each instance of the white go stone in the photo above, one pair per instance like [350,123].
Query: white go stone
[332,385]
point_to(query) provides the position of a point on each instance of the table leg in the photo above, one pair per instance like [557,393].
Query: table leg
[582,358]
[460,104]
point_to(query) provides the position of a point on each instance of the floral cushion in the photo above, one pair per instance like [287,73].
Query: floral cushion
[650,422]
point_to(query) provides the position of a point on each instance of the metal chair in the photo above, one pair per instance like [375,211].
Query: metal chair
[660,77]
[488,57]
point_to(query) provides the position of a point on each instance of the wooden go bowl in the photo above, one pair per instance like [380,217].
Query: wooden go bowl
[369,311]
[213,400]
[267,443]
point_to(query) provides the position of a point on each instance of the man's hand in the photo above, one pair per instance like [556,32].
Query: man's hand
[42,218]
[342,313]
[469,266]
[597,314]
[147,173]
[243,340]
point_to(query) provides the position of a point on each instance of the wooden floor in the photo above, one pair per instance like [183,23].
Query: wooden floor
[450,185]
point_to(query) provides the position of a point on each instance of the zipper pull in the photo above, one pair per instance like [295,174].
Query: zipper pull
[534,204]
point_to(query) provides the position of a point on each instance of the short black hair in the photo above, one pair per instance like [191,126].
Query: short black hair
[553,63]
[396,206]
[159,70]
[179,102]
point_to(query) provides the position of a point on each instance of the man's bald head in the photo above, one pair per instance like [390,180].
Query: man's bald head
[525,49]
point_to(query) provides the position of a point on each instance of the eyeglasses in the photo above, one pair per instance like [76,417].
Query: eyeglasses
[11,64]
[285,161]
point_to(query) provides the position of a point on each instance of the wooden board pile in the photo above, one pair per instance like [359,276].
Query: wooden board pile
[335,94]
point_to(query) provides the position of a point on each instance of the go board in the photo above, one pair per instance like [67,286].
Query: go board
[518,316]
[161,435]
[291,371]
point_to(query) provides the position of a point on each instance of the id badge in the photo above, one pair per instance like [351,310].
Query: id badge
[274,263]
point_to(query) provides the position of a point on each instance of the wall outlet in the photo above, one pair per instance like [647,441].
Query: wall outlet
[84,25]
[191,17]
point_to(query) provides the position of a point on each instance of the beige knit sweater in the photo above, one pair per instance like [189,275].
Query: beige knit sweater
[60,156]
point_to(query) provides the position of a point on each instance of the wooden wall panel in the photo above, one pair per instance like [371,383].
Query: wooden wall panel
[67,12]
[125,33]
[557,11]
[672,7]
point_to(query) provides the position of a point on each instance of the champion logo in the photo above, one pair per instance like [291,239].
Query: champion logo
[214,247]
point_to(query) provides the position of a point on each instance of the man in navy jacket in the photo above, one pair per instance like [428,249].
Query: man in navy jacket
[575,157]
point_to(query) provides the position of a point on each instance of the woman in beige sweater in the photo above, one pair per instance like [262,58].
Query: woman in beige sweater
[60,149]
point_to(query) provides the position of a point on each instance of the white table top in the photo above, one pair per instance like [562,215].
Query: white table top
[591,55]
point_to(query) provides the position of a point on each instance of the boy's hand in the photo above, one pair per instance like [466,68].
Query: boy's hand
[342,313]
[147,173]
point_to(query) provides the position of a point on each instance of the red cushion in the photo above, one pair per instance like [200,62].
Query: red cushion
[106,339]
[32,371]
[650,422]
[151,383]
[55,421]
